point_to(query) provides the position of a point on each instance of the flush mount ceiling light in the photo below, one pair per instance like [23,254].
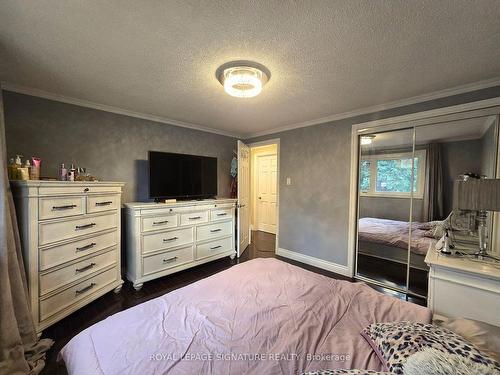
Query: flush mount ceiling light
[243,79]
[366,140]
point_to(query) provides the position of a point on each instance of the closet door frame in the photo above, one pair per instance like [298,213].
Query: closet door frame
[481,108]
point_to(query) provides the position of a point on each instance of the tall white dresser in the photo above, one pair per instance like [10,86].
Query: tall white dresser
[70,235]
[164,238]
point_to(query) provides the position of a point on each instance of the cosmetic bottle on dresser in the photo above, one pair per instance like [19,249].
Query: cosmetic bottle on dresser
[36,164]
[63,173]
[71,173]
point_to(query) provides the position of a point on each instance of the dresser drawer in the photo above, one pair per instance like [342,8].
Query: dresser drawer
[63,276]
[207,232]
[62,230]
[166,260]
[56,255]
[214,247]
[194,218]
[53,208]
[159,222]
[99,203]
[66,188]
[166,240]
[54,304]
[221,214]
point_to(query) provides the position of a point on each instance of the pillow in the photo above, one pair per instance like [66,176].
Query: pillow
[483,336]
[432,361]
[347,372]
[395,342]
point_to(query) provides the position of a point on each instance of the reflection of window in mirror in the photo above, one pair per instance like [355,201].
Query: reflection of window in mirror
[390,174]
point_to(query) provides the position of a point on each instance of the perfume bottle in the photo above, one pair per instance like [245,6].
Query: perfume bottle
[63,173]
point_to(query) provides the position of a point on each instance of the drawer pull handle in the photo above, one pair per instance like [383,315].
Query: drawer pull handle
[215,230]
[170,260]
[170,239]
[160,222]
[85,289]
[86,190]
[195,218]
[107,203]
[86,247]
[67,207]
[91,265]
[86,226]
[223,214]
[215,247]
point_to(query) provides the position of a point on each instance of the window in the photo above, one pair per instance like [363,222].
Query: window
[390,175]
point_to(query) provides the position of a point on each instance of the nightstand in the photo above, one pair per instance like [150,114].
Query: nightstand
[463,287]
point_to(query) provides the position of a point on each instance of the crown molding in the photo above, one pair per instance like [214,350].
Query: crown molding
[107,108]
[165,120]
[462,89]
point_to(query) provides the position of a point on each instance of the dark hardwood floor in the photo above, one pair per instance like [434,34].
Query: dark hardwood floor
[263,246]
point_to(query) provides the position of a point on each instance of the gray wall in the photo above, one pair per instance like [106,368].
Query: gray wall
[489,151]
[390,208]
[314,210]
[112,147]
[458,158]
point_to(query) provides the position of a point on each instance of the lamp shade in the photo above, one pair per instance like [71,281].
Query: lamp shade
[477,194]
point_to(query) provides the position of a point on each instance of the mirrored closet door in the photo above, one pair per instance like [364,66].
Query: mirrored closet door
[405,195]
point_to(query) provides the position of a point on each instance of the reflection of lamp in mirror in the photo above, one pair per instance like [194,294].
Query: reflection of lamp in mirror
[479,195]
[366,140]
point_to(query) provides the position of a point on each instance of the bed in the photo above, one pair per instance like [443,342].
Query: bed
[389,239]
[263,316]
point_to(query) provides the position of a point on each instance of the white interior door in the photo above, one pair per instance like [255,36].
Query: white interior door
[243,197]
[267,172]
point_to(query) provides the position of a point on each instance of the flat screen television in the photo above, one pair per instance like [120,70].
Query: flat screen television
[181,176]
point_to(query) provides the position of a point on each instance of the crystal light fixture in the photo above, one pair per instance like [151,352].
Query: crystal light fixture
[243,79]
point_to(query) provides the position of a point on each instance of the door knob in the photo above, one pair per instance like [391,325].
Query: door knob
[260,197]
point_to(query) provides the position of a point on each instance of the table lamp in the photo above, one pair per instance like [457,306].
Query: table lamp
[481,195]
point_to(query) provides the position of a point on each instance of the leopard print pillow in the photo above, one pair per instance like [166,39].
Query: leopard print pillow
[395,342]
[347,372]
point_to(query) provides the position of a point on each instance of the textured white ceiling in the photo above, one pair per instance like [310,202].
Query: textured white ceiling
[326,57]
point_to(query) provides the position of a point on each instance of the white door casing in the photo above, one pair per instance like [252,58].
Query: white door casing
[267,170]
[243,197]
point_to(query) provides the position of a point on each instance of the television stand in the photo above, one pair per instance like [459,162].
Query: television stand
[166,238]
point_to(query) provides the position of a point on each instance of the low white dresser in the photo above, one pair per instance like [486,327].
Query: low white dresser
[164,238]
[70,235]
[462,287]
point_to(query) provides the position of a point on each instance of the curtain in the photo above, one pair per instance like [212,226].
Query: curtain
[20,350]
[433,195]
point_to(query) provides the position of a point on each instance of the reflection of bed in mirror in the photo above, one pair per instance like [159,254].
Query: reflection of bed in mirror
[389,240]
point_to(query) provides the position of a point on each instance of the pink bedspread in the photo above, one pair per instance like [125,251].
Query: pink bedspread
[396,233]
[260,317]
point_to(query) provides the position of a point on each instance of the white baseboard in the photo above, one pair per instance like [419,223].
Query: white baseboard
[316,262]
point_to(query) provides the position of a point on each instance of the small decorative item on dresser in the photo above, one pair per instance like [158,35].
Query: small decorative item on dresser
[63,173]
[72,173]
[36,164]
[23,173]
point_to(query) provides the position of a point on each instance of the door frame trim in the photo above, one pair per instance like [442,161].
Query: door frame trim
[273,141]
